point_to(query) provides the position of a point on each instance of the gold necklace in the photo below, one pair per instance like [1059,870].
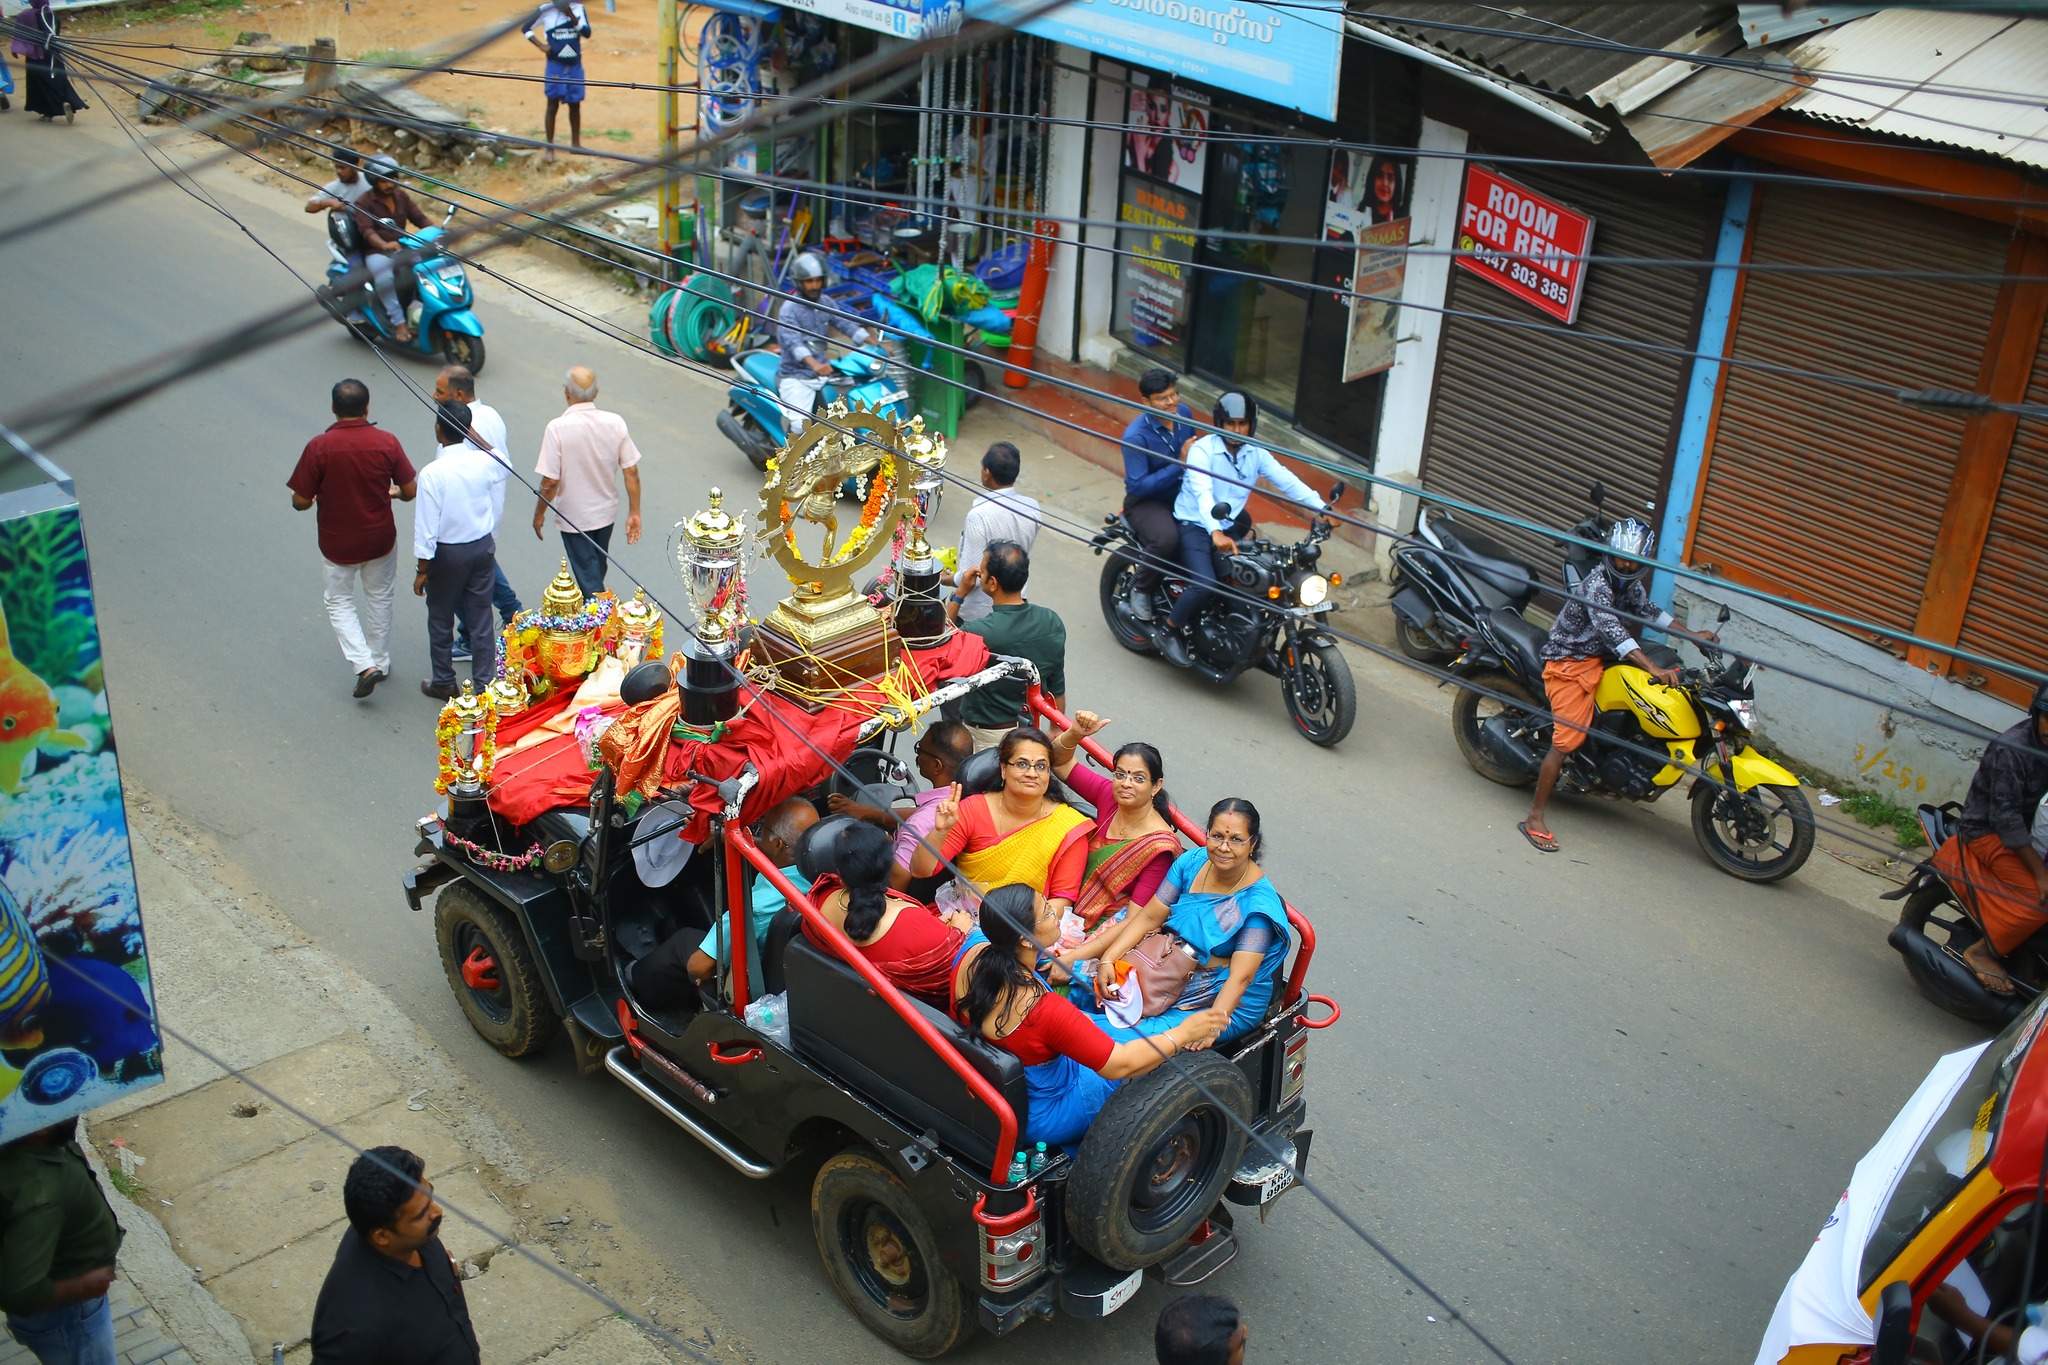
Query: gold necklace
[1243,873]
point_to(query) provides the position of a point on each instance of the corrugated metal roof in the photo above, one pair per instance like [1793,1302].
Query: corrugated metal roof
[1525,47]
[1961,80]
[1714,103]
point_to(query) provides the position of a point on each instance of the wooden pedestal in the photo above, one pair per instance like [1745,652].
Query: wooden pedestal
[831,666]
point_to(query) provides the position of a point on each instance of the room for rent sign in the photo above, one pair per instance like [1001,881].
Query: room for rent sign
[1533,247]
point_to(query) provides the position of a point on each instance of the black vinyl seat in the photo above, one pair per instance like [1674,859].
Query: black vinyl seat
[780,930]
[1524,639]
[836,1020]
[1489,562]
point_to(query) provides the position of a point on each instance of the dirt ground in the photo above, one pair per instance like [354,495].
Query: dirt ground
[623,47]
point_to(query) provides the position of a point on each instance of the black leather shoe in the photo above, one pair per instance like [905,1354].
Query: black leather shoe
[1172,648]
[367,680]
[438,691]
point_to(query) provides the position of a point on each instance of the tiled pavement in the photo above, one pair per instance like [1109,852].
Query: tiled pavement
[139,1336]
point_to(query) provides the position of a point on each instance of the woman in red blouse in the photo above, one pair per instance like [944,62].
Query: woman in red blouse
[908,940]
[1070,1065]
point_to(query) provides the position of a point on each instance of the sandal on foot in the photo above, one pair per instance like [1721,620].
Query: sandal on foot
[1543,841]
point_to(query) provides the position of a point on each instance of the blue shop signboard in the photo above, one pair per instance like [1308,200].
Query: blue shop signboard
[1285,56]
[909,19]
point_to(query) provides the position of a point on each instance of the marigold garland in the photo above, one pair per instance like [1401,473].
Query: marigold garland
[445,731]
[490,858]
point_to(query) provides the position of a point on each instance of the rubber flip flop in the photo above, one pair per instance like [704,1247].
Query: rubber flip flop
[1542,842]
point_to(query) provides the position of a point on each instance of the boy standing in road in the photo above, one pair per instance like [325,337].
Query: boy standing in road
[559,30]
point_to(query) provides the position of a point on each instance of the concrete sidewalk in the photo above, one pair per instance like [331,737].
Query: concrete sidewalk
[233,1203]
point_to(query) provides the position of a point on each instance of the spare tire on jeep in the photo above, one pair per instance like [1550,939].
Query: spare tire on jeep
[1157,1158]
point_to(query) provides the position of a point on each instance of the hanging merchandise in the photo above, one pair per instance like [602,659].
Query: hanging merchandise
[729,55]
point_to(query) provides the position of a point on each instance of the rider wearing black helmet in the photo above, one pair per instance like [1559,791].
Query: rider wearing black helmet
[1221,468]
[1991,860]
[1599,622]
[800,327]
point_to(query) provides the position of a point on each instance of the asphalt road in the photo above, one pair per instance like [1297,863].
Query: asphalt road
[1602,1100]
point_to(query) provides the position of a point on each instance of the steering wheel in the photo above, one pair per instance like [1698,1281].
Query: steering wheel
[869,767]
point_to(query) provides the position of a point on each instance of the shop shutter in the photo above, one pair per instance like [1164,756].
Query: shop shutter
[1525,420]
[2007,617]
[1824,493]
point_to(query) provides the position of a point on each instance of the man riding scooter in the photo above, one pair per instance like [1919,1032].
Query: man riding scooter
[1990,862]
[382,217]
[1221,468]
[800,327]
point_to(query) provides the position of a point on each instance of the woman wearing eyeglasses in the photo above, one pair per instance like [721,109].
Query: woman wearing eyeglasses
[1132,845]
[1219,902]
[1018,834]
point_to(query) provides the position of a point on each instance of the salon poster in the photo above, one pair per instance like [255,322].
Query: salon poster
[1376,298]
[1158,240]
[1166,133]
[1365,191]
[77,1015]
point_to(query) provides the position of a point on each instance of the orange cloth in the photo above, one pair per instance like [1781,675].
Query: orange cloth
[1570,684]
[1997,885]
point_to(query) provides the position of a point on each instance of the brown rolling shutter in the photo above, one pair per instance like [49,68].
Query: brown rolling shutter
[1524,420]
[1828,494]
[2007,617]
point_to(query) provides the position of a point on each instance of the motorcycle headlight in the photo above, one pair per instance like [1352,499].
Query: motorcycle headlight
[1745,712]
[1312,591]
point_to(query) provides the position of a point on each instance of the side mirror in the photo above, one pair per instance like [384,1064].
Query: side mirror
[1894,1325]
[1598,493]
[1221,511]
[1722,618]
[451,216]
[1338,490]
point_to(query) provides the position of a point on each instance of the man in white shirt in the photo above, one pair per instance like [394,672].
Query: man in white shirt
[583,453]
[459,497]
[347,186]
[456,384]
[1222,469]
[1002,513]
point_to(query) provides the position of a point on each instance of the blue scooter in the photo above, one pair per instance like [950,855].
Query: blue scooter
[434,292]
[752,419]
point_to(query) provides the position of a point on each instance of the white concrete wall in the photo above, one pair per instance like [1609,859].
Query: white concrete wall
[1861,744]
[1404,415]
[1099,267]
[1066,159]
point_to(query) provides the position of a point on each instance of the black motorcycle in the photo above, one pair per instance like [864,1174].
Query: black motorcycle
[1446,581]
[1266,611]
[1940,920]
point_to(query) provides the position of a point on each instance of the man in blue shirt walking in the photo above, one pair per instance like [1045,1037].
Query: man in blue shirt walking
[1154,446]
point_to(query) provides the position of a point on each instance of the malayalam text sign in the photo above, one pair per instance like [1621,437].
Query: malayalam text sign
[1531,246]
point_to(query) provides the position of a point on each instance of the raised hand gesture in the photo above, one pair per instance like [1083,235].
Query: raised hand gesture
[1086,723]
[948,813]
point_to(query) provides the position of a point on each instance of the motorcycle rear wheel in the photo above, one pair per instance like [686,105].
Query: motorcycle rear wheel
[1321,697]
[1424,646]
[460,348]
[1117,568]
[1725,824]
[1472,709]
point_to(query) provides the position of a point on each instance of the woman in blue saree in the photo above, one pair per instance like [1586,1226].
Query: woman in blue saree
[1221,904]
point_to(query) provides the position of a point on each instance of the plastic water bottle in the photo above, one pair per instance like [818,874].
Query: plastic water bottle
[1038,1159]
[1019,1171]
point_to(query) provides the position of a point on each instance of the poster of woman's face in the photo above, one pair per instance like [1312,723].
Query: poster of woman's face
[1365,190]
[1147,148]
[1167,134]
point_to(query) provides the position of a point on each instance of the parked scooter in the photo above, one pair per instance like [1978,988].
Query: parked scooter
[1748,813]
[752,419]
[1940,920]
[1446,581]
[1267,611]
[433,291]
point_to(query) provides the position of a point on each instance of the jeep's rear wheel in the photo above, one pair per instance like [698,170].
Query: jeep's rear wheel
[883,1257]
[492,972]
[1157,1158]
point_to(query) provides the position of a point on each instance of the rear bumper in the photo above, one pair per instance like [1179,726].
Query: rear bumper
[1086,1289]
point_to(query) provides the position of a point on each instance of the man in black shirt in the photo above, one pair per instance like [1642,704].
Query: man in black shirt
[392,1296]
[1991,861]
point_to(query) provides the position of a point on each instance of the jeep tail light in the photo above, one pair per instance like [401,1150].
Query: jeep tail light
[1294,1068]
[1012,1244]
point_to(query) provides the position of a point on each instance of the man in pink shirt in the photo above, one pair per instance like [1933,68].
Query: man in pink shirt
[582,455]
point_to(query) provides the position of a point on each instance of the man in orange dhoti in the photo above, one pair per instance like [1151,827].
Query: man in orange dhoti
[1991,861]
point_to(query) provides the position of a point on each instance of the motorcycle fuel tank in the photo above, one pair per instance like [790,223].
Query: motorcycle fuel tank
[1665,712]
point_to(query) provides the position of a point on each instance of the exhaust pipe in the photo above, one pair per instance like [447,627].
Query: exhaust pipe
[1501,745]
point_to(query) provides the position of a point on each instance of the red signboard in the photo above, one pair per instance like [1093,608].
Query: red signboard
[1533,247]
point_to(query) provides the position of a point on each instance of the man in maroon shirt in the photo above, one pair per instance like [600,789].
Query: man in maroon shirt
[352,472]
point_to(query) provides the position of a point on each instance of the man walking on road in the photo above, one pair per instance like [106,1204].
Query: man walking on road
[392,1296]
[351,473]
[1002,513]
[456,384]
[1155,446]
[1200,1329]
[582,453]
[451,540]
[1019,628]
[58,1239]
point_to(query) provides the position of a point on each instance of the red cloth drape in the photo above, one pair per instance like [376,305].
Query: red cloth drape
[792,749]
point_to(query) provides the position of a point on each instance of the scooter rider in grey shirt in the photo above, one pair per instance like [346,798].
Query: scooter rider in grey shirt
[800,327]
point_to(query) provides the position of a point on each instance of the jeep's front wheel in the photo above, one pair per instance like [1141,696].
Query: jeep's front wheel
[492,972]
[883,1257]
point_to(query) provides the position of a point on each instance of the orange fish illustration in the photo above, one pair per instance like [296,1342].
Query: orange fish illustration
[28,716]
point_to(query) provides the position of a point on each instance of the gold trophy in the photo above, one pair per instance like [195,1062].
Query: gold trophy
[566,654]
[638,621]
[824,637]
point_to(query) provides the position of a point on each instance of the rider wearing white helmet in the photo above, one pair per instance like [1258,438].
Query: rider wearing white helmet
[800,327]
[1599,622]
[382,217]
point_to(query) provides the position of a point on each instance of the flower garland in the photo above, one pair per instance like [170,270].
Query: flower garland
[491,859]
[885,582]
[596,612]
[445,731]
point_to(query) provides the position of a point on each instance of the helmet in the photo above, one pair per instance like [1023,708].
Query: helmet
[1629,541]
[2039,706]
[807,266]
[382,166]
[1236,407]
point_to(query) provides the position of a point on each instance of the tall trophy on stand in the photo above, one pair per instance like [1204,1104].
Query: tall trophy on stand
[920,614]
[711,556]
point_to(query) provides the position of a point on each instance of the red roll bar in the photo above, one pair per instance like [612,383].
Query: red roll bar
[739,845]
[1035,699]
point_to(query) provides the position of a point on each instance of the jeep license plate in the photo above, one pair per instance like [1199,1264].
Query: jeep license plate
[1276,1184]
[1125,1291]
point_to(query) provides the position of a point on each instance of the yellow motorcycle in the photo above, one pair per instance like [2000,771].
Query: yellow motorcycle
[1748,812]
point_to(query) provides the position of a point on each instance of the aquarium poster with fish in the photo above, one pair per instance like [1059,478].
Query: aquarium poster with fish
[77,1013]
